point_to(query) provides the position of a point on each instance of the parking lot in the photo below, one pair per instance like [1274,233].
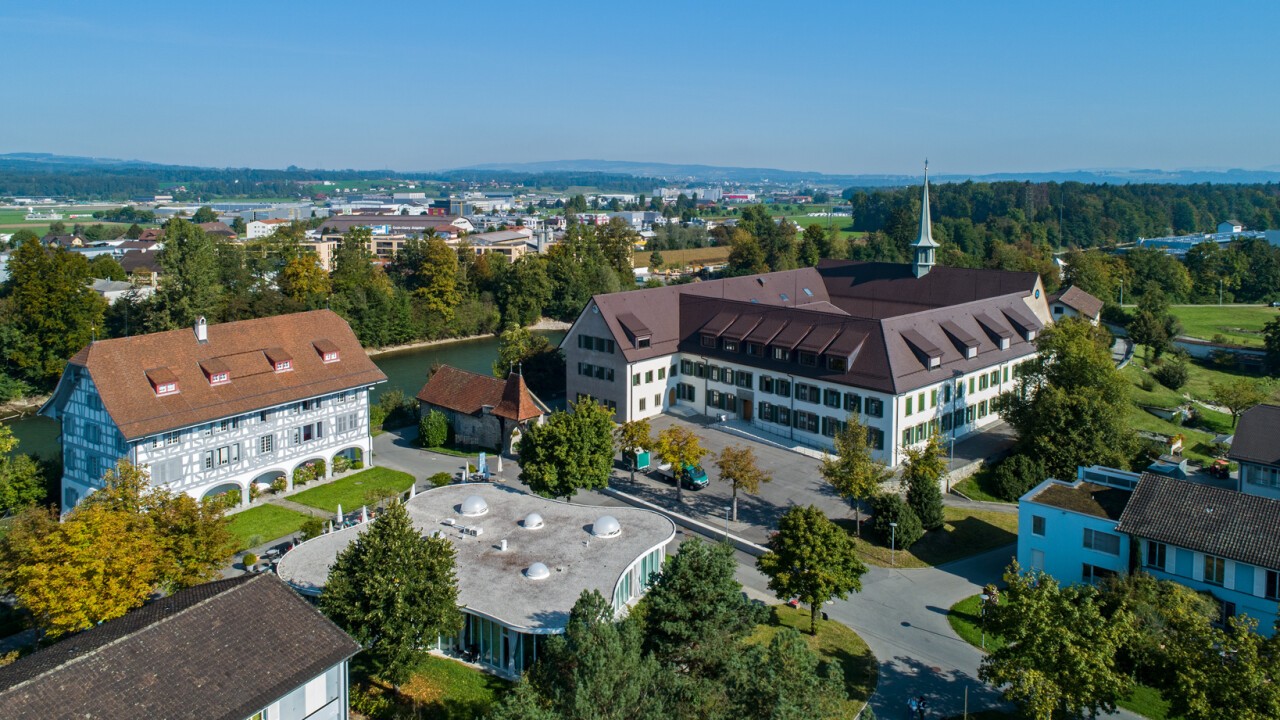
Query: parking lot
[796,481]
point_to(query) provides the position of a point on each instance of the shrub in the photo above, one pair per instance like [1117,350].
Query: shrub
[302,475]
[433,429]
[279,485]
[311,527]
[890,508]
[231,498]
[1172,374]
[377,416]
[440,479]
[924,496]
[1015,475]
[254,492]
[250,560]
[1148,384]
[341,464]
[357,464]
[317,468]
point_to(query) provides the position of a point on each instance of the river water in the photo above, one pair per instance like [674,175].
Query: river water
[406,370]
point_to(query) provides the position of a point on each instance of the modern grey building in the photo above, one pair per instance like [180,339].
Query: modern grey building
[915,349]
[522,563]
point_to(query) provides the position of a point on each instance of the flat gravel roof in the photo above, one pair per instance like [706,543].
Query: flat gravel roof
[492,581]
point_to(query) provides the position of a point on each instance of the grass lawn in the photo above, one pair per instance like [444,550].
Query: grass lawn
[834,644]
[354,490]
[978,486]
[965,532]
[439,689]
[684,258]
[264,523]
[1239,325]
[966,620]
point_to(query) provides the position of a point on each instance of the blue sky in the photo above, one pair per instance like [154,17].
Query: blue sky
[841,87]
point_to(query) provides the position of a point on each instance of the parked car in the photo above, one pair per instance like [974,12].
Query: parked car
[692,477]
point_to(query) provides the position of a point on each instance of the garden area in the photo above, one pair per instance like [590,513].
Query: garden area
[438,689]
[264,523]
[965,532]
[367,487]
[965,618]
[835,644]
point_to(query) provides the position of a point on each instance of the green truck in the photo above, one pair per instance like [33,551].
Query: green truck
[692,477]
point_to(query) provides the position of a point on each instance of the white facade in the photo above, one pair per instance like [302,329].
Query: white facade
[209,458]
[261,228]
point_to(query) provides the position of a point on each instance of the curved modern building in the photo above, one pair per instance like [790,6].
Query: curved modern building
[522,562]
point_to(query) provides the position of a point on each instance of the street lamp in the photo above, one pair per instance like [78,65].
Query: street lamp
[985,597]
[893,544]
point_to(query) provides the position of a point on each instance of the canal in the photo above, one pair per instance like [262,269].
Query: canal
[406,370]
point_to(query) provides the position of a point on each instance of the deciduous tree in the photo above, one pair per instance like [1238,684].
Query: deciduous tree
[1238,395]
[737,465]
[1059,660]
[854,474]
[812,559]
[680,448]
[304,281]
[189,285]
[784,679]
[571,451]
[395,591]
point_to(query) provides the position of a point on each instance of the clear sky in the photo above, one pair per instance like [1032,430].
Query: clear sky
[840,87]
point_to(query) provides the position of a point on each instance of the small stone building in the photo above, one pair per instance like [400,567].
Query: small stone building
[483,411]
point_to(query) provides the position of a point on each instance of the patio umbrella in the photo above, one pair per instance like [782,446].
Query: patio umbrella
[339,520]
[499,463]
[364,514]
[413,490]
[481,466]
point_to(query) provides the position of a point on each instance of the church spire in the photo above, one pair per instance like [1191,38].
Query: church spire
[924,245]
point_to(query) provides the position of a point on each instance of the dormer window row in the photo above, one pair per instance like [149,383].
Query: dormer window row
[835,362]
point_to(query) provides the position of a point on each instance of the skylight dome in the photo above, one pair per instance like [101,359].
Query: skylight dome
[606,526]
[474,505]
[532,521]
[537,571]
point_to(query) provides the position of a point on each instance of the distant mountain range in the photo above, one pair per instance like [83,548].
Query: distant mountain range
[719,173]
[672,172]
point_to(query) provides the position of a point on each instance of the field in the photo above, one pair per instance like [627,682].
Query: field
[264,524]
[834,644]
[362,488]
[12,220]
[1236,324]
[965,532]
[684,258]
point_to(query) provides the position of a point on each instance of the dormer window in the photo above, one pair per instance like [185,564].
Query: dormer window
[216,371]
[731,345]
[327,350]
[708,340]
[643,342]
[280,360]
[837,363]
[163,381]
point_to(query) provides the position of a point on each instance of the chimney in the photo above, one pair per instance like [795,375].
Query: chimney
[202,330]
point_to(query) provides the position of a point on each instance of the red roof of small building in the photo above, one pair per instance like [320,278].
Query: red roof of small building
[469,393]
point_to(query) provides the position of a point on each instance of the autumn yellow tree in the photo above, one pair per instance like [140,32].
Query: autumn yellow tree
[737,465]
[117,547]
[304,281]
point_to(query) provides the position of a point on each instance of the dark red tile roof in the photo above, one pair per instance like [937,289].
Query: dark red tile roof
[469,393]
[219,651]
[1080,301]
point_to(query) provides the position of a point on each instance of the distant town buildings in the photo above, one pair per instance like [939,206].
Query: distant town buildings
[215,407]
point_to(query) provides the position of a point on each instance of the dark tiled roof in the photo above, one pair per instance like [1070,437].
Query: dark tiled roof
[222,650]
[1258,436]
[1080,301]
[1226,523]
[1089,498]
[469,393]
[133,262]
[517,402]
[120,369]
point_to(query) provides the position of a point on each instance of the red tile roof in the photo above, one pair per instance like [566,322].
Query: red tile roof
[469,393]
[120,369]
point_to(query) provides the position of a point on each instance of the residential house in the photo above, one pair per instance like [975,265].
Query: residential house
[1108,522]
[216,407]
[1256,448]
[511,244]
[914,349]
[113,290]
[219,229]
[247,648]
[522,563]
[255,229]
[143,268]
[1075,303]
[483,411]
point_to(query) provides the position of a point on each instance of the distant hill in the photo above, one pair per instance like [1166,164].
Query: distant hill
[717,173]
